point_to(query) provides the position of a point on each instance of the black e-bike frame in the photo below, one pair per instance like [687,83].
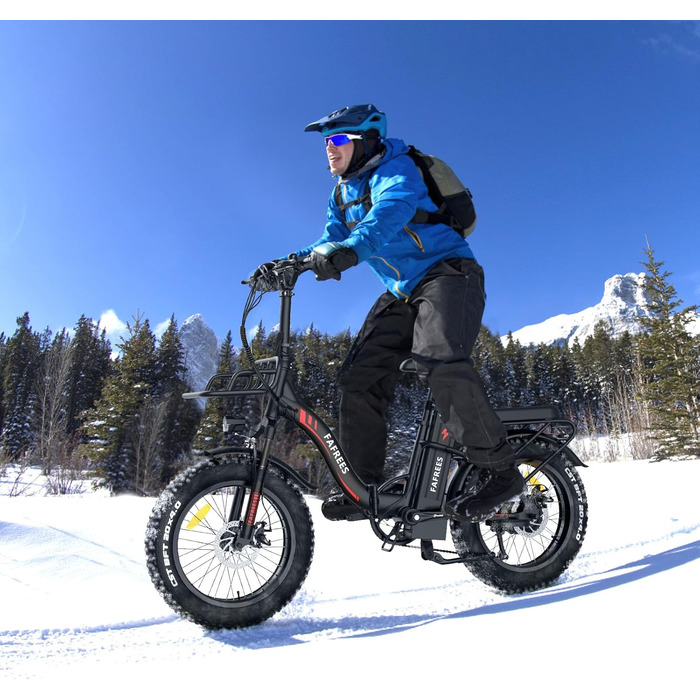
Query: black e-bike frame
[417,506]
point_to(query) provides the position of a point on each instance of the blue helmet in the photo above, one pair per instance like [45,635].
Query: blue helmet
[356,119]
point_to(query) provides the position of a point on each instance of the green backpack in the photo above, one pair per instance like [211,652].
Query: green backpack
[451,197]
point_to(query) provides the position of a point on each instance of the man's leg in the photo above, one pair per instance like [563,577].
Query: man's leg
[367,381]
[450,303]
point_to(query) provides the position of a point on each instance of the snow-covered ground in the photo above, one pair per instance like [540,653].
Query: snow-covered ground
[79,615]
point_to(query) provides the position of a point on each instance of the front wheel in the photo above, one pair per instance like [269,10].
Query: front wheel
[529,544]
[192,552]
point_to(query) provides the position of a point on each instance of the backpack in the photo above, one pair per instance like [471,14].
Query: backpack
[451,197]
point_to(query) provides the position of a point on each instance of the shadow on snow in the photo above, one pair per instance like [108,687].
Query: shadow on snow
[287,632]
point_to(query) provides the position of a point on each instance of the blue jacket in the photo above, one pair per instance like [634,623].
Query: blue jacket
[399,252]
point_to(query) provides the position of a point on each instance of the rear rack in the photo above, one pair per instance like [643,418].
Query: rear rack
[540,421]
[529,414]
[245,382]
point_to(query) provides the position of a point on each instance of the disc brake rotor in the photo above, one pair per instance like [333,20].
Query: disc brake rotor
[538,514]
[226,552]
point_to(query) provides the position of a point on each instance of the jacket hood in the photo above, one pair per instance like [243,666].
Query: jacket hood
[388,149]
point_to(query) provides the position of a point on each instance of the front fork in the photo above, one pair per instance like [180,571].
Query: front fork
[262,442]
[248,529]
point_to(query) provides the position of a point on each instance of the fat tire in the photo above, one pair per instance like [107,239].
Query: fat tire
[527,568]
[178,512]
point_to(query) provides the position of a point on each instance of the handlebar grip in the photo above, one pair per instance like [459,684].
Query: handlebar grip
[304,263]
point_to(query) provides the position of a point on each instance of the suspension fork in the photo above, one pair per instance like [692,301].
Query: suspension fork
[245,536]
[234,512]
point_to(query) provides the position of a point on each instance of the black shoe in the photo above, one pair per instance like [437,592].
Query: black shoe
[338,507]
[498,488]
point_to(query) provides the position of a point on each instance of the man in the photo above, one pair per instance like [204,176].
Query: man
[431,312]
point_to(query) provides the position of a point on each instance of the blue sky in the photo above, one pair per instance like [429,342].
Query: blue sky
[147,167]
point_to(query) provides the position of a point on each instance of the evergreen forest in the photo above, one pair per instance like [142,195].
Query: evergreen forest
[77,407]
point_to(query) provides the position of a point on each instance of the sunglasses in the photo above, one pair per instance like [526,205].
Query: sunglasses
[342,139]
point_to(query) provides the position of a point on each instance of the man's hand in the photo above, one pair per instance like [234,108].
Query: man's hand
[262,278]
[328,260]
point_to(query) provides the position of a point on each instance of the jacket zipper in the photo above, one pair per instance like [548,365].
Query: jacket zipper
[415,237]
[398,276]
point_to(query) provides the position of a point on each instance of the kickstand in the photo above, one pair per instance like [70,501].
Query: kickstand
[389,541]
[502,554]
[426,550]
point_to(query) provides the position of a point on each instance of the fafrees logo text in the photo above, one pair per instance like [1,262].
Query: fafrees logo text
[334,451]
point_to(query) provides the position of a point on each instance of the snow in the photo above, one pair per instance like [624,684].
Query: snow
[79,613]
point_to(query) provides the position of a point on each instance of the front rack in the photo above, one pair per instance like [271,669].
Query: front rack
[245,382]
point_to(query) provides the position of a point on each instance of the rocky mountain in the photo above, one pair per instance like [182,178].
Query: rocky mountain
[201,349]
[621,307]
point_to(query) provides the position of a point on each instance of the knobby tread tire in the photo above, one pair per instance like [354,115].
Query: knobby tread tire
[282,498]
[510,576]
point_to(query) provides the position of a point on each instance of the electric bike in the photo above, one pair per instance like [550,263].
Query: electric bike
[230,540]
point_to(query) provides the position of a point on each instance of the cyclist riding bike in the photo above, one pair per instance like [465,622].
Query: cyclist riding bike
[431,311]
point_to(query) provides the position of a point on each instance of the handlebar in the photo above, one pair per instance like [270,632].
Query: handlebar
[280,275]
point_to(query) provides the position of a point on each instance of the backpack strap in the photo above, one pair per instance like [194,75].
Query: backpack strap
[420,217]
[365,199]
[433,217]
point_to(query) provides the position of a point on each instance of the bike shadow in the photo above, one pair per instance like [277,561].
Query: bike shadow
[291,631]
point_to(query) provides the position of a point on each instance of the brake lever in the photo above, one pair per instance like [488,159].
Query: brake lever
[283,270]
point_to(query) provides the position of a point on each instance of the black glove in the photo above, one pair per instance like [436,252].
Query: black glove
[262,278]
[328,260]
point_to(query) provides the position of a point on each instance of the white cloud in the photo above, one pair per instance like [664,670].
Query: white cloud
[112,324]
[161,328]
[681,42]
[115,328]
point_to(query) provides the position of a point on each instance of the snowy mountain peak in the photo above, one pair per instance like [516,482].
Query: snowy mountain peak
[624,292]
[621,307]
[200,347]
[195,319]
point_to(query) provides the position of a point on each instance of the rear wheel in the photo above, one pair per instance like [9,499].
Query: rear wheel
[528,544]
[192,548]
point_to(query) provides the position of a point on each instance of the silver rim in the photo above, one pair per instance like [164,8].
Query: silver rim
[206,556]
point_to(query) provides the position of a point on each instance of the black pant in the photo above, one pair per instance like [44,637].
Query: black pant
[438,327]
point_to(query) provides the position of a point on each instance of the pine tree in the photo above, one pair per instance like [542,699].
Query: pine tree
[311,371]
[209,434]
[563,380]
[540,374]
[180,417]
[123,416]
[489,358]
[671,365]
[334,350]
[89,367]
[516,391]
[21,361]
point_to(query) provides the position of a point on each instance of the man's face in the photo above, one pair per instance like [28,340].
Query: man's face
[339,157]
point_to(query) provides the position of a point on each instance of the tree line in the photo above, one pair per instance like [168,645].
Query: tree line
[69,400]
